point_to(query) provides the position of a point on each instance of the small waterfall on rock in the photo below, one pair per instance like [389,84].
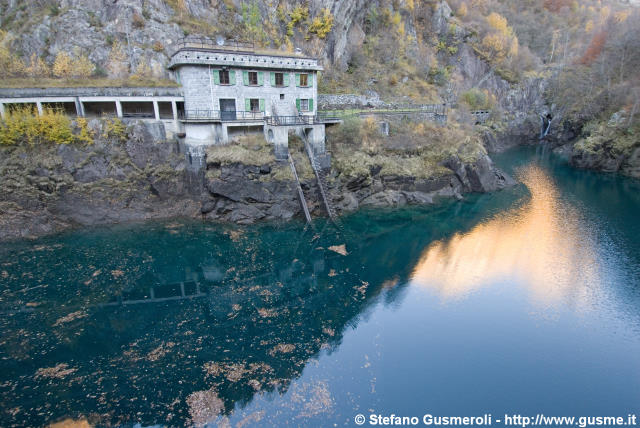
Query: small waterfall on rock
[196,162]
[546,125]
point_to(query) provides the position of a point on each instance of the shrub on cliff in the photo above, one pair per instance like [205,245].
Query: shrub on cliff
[24,125]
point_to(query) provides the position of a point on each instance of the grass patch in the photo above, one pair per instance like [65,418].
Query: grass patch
[248,150]
[413,148]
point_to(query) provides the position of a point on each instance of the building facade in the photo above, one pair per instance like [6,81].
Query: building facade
[233,90]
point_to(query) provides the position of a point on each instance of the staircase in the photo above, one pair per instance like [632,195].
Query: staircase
[303,202]
[321,178]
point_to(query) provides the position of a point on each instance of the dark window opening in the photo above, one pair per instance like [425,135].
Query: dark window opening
[165,109]
[253,77]
[304,80]
[279,79]
[254,103]
[282,96]
[224,77]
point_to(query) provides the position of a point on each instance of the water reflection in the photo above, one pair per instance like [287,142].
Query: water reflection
[541,243]
[185,328]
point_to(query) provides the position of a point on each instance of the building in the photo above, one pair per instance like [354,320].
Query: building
[230,89]
[227,89]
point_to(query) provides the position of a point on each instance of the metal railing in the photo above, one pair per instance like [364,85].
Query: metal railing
[138,115]
[290,120]
[222,116]
[439,109]
[207,43]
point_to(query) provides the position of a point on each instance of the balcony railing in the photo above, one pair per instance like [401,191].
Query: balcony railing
[220,116]
[207,43]
[290,120]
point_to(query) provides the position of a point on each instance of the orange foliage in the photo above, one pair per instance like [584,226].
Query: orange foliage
[594,49]
[556,5]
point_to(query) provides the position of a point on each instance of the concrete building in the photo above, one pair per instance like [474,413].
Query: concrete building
[146,104]
[227,89]
[230,89]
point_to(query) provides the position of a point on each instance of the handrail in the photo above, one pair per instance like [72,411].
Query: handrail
[303,201]
[223,116]
[193,42]
[319,177]
[290,120]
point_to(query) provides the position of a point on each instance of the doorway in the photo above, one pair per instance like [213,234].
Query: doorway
[227,109]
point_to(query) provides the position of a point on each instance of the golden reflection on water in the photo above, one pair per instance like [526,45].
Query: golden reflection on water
[540,244]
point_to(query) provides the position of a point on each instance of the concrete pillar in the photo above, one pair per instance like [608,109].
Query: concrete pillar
[1,110]
[156,110]
[119,108]
[174,110]
[79,108]
[39,106]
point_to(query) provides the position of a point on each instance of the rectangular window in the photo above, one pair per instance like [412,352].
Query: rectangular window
[279,79]
[282,96]
[253,78]
[224,77]
[254,104]
[304,80]
[304,105]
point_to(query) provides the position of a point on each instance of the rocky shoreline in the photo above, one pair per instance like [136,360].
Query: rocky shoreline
[51,188]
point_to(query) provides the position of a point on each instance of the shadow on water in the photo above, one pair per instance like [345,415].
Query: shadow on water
[170,322]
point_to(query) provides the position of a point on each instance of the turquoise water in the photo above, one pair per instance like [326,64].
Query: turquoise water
[523,301]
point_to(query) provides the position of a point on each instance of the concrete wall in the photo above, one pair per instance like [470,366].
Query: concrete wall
[201,93]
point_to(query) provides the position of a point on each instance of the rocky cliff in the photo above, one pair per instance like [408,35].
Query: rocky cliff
[142,176]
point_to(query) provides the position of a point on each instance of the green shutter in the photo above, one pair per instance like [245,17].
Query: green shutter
[310,79]
[216,76]
[261,103]
[298,79]
[247,104]
[232,77]
[310,104]
[272,78]
[285,80]
[298,104]
[245,78]
[178,77]
[260,78]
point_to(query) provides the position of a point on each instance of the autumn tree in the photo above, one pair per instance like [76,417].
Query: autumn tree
[117,65]
[37,67]
[63,65]
[594,49]
[82,67]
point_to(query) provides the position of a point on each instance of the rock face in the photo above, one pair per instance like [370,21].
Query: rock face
[141,176]
[49,188]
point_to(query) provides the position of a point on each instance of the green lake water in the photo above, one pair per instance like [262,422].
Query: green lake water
[523,301]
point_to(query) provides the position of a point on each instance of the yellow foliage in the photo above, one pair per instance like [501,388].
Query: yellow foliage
[410,4]
[82,67]
[496,45]
[63,65]
[463,10]
[589,26]
[142,70]
[24,125]
[37,67]
[499,23]
[514,47]
[321,25]
[622,15]
[114,128]
[117,62]
[85,135]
